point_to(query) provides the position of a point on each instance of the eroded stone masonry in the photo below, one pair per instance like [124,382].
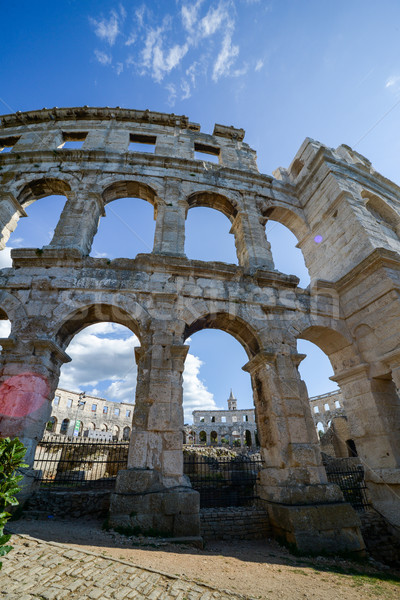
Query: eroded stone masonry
[346,218]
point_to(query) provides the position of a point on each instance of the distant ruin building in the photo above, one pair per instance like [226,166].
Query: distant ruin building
[73,414]
[239,427]
[346,218]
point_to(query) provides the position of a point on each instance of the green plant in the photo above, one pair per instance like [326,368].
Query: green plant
[11,454]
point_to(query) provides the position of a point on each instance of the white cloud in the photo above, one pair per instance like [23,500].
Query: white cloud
[107,29]
[102,355]
[5,328]
[189,14]
[156,59]
[392,81]
[225,58]
[161,45]
[195,393]
[214,19]
[103,364]
[172,93]
[5,258]
[131,39]
[186,92]
[102,57]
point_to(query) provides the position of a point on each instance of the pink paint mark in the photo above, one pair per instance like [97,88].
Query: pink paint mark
[318,239]
[21,395]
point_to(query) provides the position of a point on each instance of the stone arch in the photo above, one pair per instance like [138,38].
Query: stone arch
[91,314]
[11,308]
[126,433]
[211,199]
[293,220]
[103,427]
[39,188]
[129,189]
[202,437]
[248,439]
[115,431]
[13,208]
[64,426]
[213,437]
[234,325]
[51,426]
[339,348]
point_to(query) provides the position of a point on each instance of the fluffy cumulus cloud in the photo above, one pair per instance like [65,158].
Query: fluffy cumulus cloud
[197,40]
[195,393]
[103,364]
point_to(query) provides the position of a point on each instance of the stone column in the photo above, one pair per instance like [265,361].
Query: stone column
[304,509]
[153,493]
[252,247]
[78,222]
[372,407]
[10,212]
[171,213]
[28,379]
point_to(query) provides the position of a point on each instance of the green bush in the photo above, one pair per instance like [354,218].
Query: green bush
[11,454]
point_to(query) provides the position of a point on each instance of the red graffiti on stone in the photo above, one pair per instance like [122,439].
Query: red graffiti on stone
[21,395]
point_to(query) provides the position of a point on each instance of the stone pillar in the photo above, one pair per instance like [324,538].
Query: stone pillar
[372,406]
[153,494]
[305,510]
[28,379]
[10,212]
[252,247]
[78,222]
[171,213]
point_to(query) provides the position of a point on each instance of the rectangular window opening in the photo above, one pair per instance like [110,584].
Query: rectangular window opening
[69,403]
[142,143]
[223,419]
[116,412]
[94,407]
[73,140]
[205,152]
[56,400]
[105,410]
[128,413]
[7,143]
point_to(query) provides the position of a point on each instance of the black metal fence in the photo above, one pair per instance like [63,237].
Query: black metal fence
[79,464]
[351,482]
[223,481]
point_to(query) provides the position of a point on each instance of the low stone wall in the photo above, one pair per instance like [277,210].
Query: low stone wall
[381,538]
[94,503]
[239,523]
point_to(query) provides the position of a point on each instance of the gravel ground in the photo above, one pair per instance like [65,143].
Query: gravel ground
[261,569]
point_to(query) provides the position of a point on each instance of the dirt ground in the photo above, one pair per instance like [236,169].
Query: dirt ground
[258,569]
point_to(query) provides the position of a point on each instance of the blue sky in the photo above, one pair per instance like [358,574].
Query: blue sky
[282,70]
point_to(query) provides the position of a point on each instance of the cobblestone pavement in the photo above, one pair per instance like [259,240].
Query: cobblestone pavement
[50,571]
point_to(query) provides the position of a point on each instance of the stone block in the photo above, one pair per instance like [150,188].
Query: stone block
[332,529]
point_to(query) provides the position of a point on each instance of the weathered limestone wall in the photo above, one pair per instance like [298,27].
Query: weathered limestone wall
[346,218]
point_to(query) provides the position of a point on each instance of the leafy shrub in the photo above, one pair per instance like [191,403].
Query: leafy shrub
[11,454]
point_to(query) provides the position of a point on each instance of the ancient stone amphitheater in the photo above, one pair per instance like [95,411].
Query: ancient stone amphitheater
[346,218]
